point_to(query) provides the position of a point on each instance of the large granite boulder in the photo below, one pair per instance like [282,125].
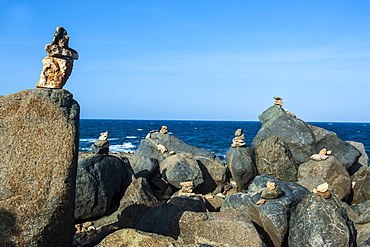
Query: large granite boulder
[240,162]
[159,146]
[316,221]
[303,139]
[164,219]
[274,158]
[39,148]
[272,216]
[313,173]
[361,185]
[100,178]
[218,229]
[138,199]
[180,168]
[363,235]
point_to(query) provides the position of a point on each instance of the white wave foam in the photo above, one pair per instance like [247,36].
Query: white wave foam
[88,140]
[139,129]
[126,147]
[131,137]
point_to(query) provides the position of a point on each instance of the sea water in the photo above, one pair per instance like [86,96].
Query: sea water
[214,136]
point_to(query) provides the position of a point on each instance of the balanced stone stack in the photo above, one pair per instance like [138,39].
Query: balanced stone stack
[238,141]
[59,62]
[101,146]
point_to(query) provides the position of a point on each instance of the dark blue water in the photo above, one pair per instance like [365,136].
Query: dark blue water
[214,136]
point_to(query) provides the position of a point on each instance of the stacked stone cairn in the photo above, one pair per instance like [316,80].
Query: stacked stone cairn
[101,146]
[59,62]
[238,141]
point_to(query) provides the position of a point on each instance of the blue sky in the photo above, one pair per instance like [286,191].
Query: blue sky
[214,60]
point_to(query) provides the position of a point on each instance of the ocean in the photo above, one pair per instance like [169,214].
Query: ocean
[215,136]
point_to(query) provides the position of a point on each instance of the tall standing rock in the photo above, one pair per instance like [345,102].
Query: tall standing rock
[39,147]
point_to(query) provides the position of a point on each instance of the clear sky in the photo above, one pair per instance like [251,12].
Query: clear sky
[198,59]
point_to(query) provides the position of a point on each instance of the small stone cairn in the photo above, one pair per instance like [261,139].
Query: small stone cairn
[101,146]
[272,191]
[323,191]
[164,130]
[322,155]
[238,141]
[187,189]
[59,62]
[279,101]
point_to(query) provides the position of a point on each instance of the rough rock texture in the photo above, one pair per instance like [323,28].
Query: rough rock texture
[272,216]
[363,234]
[218,229]
[274,158]
[362,161]
[138,199]
[99,179]
[213,169]
[240,162]
[144,166]
[303,139]
[361,188]
[181,168]
[39,148]
[313,173]
[164,219]
[320,222]
[363,211]
[55,72]
[136,238]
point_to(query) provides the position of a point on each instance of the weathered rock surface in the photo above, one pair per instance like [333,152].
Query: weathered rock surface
[363,211]
[138,199]
[361,185]
[303,139]
[181,168]
[240,162]
[213,169]
[272,216]
[136,238]
[144,166]
[274,158]
[313,173]
[363,235]
[99,179]
[218,229]
[316,221]
[164,219]
[39,147]
[362,161]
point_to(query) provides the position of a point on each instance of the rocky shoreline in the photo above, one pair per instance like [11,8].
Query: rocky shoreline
[288,189]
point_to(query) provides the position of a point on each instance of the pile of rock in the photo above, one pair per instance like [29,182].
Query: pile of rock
[101,146]
[238,141]
[59,62]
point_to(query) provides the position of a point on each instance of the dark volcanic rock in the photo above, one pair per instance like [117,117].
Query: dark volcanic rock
[274,158]
[271,217]
[303,139]
[320,222]
[39,148]
[240,162]
[313,173]
[181,168]
[99,179]
[361,188]
[164,219]
[144,166]
[218,229]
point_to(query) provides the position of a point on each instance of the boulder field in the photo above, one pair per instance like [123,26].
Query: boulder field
[298,185]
